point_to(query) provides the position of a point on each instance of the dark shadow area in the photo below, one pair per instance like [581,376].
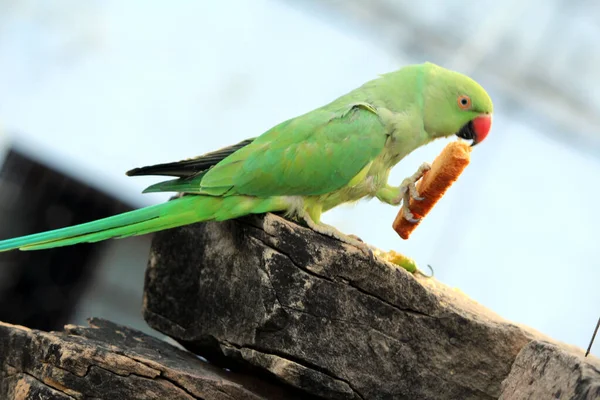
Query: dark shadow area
[41,289]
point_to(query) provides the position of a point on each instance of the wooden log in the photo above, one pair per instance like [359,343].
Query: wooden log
[261,292]
[109,361]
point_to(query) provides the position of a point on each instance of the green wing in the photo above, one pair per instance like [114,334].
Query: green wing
[313,154]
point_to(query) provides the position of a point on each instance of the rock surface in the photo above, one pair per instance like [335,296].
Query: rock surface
[546,371]
[264,293]
[109,361]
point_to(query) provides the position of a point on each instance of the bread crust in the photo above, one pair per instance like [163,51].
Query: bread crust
[445,170]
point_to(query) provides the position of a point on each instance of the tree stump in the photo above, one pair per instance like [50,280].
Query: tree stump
[109,361]
[263,294]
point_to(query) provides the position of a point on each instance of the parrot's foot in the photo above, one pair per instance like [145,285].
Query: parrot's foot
[355,237]
[330,231]
[408,190]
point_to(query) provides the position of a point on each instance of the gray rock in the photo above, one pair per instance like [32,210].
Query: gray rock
[264,293]
[545,371]
[109,361]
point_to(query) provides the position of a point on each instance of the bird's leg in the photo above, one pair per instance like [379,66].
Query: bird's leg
[332,232]
[403,193]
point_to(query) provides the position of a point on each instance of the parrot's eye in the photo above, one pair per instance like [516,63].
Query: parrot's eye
[464,102]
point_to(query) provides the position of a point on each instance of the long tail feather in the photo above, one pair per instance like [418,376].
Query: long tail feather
[182,211]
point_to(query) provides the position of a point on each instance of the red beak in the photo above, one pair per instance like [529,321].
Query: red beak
[481,127]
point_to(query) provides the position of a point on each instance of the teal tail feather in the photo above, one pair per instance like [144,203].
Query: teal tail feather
[178,212]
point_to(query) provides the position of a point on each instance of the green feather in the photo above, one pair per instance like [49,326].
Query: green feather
[180,211]
[181,185]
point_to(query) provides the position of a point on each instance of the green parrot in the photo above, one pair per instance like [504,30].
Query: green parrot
[338,153]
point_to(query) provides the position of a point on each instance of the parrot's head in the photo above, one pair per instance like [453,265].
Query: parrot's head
[455,104]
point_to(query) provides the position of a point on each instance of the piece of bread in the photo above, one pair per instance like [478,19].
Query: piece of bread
[446,169]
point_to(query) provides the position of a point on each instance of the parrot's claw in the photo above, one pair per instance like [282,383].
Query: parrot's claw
[409,216]
[408,190]
[410,185]
[351,236]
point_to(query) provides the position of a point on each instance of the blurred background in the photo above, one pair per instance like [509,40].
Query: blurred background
[89,90]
